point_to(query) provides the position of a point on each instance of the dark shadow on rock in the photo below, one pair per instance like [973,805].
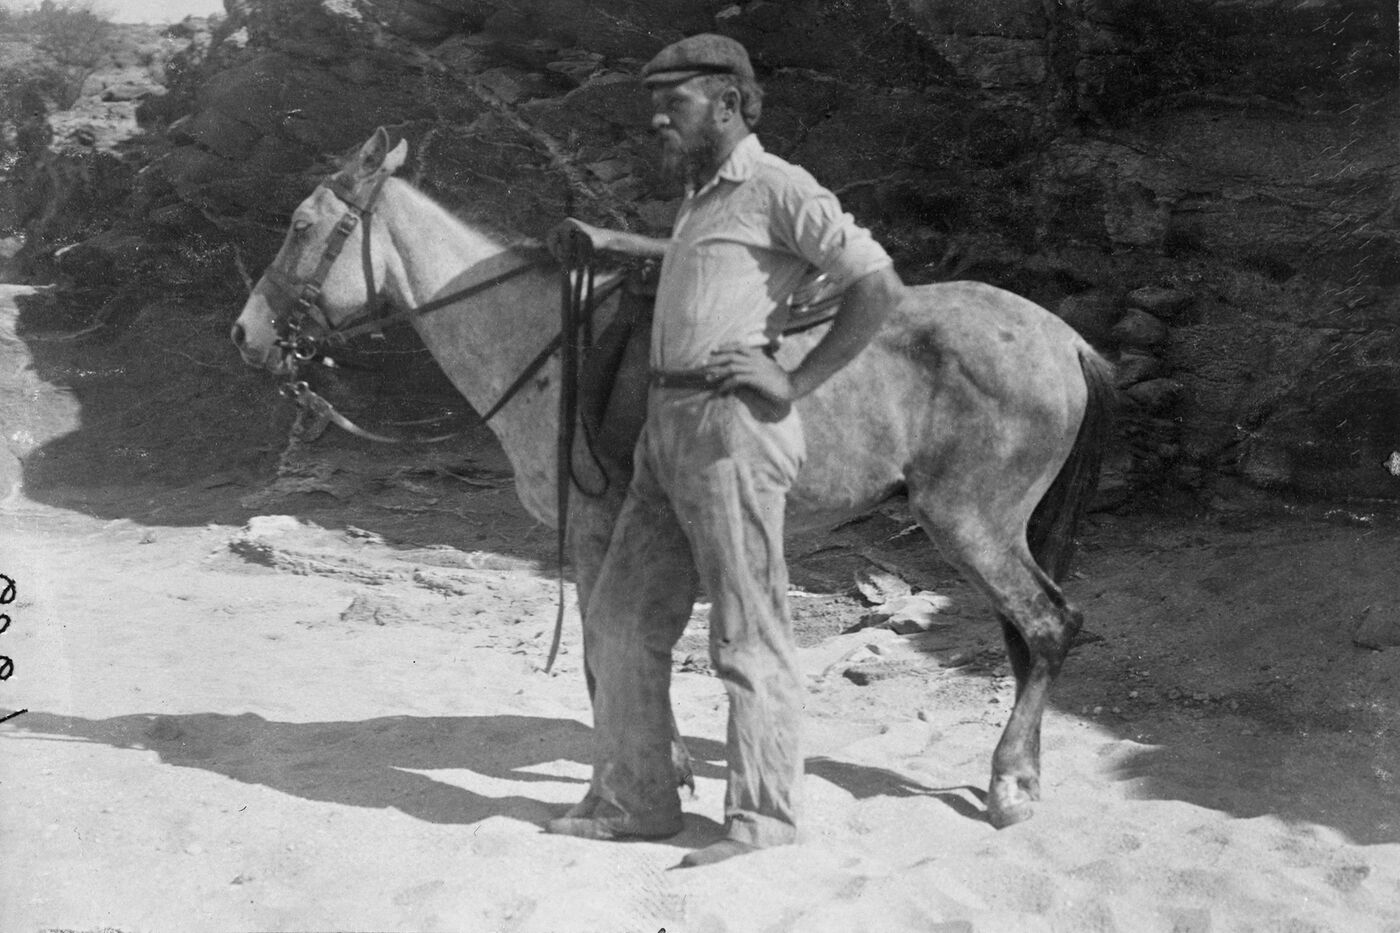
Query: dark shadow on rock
[151,416]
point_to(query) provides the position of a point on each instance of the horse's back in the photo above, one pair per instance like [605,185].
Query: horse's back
[976,341]
[998,326]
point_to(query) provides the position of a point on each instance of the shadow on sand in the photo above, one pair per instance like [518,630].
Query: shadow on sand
[375,763]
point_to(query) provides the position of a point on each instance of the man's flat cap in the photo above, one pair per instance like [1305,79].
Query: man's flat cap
[705,54]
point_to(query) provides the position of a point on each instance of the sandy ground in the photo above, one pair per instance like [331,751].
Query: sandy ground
[253,706]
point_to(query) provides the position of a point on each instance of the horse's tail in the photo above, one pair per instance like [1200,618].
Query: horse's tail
[1052,527]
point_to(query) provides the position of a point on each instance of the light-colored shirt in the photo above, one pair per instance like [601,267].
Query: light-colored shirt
[740,246]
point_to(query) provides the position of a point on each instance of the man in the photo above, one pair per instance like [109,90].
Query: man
[721,446]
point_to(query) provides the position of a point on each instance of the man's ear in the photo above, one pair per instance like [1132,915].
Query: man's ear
[728,102]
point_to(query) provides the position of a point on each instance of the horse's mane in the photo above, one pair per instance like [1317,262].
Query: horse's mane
[526,247]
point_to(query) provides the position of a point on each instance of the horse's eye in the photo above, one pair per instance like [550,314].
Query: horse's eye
[301,226]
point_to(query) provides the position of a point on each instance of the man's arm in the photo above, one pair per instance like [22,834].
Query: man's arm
[602,240]
[864,307]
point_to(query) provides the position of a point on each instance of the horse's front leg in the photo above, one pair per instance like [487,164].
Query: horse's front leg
[591,523]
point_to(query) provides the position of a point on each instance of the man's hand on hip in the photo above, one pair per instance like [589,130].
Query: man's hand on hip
[735,366]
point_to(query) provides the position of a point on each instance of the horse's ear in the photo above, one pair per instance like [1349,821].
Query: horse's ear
[375,156]
[396,157]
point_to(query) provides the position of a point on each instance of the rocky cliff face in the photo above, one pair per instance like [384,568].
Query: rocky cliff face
[1204,188]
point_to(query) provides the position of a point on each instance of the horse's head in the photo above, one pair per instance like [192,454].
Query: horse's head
[331,268]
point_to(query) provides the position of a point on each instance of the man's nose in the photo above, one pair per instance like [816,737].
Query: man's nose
[238,335]
[659,121]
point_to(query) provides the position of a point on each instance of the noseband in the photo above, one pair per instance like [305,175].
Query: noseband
[294,335]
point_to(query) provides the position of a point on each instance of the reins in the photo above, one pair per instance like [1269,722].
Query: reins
[303,347]
[579,298]
[577,302]
[303,333]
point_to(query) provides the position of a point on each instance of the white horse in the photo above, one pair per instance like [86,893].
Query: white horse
[990,411]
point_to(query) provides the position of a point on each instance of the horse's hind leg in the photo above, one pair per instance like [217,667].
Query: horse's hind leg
[1016,762]
[1038,626]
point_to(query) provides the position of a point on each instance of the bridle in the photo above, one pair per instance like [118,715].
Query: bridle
[305,332]
[294,330]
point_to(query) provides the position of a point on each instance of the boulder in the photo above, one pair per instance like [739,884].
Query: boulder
[97,260]
[1019,19]
[1139,330]
[1156,395]
[131,90]
[1378,630]
[1166,303]
[1092,314]
[1134,366]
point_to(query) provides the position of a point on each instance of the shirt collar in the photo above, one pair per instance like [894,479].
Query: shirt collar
[740,165]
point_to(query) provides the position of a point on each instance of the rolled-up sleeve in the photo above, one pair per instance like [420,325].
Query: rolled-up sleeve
[812,224]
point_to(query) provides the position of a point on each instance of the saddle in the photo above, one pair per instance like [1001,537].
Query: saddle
[614,375]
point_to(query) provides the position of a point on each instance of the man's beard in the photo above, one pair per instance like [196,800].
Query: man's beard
[690,165]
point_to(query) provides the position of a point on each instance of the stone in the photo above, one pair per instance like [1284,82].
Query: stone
[1156,395]
[993,62]
[1165,303]
[1134,366]
[1138,329]
[1113,491]
[1378,630]
[1267,465]
[131,91]
[222,133]
[613,97]
[577,66]
[97,259]
[502,84]
[1021,19]
[1136,214]
[419,21]
[610,170]
[377,609]
[1092,314]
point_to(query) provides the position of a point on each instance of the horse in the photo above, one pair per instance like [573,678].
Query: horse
[990,412]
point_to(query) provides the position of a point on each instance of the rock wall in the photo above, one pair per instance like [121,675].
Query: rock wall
[1203,187]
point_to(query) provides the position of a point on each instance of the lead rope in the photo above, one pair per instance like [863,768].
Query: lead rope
[576,303]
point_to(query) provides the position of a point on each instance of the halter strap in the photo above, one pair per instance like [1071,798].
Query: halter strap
[307,295]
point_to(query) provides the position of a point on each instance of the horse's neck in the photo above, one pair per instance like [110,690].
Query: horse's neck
[484,342]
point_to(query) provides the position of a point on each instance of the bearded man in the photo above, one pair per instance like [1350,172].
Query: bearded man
[721,446]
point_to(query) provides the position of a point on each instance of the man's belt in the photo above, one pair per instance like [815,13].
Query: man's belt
[682,379]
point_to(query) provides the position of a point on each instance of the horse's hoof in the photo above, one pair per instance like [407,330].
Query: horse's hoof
[1003,816]
[585,807]
[1011,800]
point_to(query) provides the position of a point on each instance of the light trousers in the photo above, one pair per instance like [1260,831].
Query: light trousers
[705,507]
